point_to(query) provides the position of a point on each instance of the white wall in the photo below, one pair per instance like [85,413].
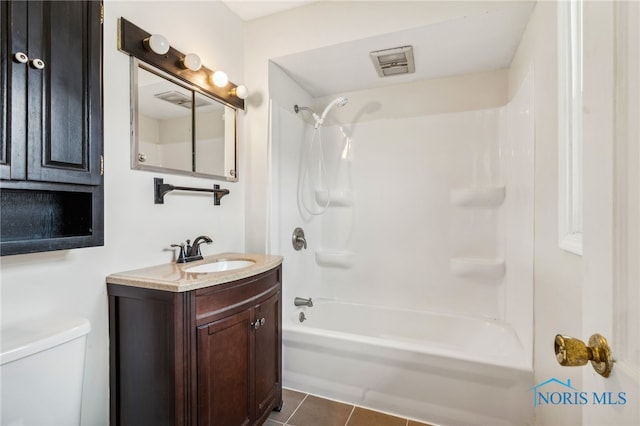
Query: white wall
[557,273]
[138,233]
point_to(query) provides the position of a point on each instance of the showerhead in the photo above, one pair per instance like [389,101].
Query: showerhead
[341,101]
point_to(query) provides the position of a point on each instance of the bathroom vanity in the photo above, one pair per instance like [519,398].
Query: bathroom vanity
[196,348]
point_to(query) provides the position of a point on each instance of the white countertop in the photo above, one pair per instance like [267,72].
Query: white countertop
[173,277]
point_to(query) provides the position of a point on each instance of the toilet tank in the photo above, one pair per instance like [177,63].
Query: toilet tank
[41,371]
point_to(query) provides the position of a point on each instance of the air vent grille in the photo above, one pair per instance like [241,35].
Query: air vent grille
[180,99]
[398,60]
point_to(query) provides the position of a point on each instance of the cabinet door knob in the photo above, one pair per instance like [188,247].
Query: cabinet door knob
[21,57]
[255,324]
[37,63]
[262,321]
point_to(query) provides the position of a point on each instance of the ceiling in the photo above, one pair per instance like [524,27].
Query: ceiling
[470,44]
[252,9]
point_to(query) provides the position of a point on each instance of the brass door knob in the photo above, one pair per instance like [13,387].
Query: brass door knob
[572,352]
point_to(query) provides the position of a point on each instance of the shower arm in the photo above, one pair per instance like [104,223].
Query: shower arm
[337,102]
[297,109]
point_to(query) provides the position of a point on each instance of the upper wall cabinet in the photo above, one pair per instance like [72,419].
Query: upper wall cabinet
[51,149]
[52,66]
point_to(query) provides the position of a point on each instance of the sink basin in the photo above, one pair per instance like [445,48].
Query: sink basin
[220,266]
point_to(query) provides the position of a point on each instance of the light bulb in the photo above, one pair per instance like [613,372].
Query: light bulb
[220,78]
[241,91]
[157,43]
[191,61]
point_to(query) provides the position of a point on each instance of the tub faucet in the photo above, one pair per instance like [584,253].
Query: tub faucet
[301,301]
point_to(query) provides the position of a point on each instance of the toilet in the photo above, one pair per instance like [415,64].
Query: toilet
[41,371]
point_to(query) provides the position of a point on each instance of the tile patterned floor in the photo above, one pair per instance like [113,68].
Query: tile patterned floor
[301,409]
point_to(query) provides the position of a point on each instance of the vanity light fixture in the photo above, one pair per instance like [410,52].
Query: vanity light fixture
[240,91]
[154,49]
[220,78]
[157,43]
[191,61]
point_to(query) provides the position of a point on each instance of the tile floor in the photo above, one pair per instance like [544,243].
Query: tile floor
[301,409]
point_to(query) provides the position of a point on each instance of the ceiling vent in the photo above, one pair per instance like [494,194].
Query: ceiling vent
[394,61]
[180,99]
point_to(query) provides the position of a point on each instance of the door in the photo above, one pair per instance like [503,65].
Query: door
[13,113]
[267,353]
[611,206]
[224,373]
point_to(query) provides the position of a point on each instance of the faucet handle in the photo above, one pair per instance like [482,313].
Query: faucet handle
[298,239]
[181,256]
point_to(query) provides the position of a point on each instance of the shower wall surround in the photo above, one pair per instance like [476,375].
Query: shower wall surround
[431,212]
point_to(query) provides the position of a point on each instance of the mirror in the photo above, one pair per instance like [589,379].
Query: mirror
[176,128]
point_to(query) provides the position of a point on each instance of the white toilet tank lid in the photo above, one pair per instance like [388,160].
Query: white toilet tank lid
[26,338]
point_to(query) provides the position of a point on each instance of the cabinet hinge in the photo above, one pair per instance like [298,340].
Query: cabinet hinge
[102,13]
[101,165]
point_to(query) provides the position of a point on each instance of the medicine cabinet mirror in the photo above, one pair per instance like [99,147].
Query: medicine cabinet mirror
[176,128]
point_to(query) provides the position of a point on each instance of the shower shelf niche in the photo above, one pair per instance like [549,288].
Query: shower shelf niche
[477,267]
[336,198]
[335,259]
[480,196]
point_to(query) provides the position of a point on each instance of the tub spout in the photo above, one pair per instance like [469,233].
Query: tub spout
[301,301]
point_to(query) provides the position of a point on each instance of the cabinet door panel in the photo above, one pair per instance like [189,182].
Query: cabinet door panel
[64,97]
[13,96]
[267,353]
[224,349]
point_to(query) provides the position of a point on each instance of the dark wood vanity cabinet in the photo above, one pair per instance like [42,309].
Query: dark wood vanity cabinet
[51,143]
[211,356]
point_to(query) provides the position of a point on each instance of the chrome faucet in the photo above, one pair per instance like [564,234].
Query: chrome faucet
[301,301]
[190,252]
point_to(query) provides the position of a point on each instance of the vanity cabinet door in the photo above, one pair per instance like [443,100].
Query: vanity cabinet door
[267,356]
[224,371]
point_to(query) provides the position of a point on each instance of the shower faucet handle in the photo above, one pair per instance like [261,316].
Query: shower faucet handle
[298,239]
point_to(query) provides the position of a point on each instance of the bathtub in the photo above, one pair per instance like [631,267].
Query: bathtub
[433,367]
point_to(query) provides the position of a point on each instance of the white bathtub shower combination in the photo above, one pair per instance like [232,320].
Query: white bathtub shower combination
[442,368]
[420,269]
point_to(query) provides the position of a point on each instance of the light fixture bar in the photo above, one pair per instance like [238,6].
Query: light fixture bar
[131,41]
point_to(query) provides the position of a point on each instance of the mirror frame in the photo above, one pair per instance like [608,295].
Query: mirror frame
[131,41]
[137,65]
